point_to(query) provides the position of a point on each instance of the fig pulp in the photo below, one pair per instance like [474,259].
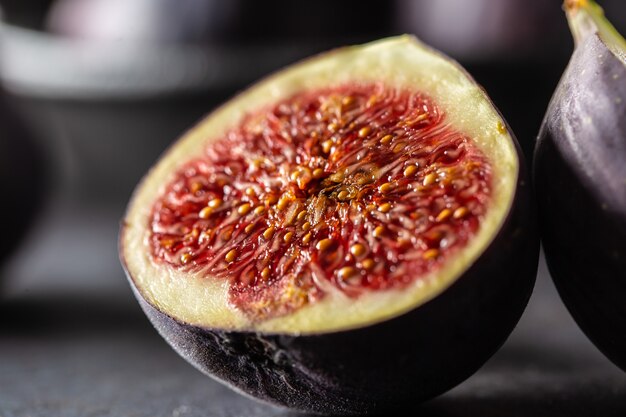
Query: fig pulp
[347,207]
[580,174]
[353,234]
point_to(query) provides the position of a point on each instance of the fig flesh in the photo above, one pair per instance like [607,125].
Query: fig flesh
[353,234]
[580,175]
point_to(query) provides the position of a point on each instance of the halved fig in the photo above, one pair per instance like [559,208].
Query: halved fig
[580,174]
[353,234]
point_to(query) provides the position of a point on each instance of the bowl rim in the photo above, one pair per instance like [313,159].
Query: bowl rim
[43,65]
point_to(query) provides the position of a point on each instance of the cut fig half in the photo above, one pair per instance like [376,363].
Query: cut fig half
[580,173]
[352,234]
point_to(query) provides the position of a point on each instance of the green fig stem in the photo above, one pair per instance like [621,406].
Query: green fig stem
[586,18]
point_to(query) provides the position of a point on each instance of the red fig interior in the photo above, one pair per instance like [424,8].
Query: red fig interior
[340,192]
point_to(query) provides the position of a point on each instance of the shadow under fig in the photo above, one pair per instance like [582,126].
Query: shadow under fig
[526,378]
[70,314]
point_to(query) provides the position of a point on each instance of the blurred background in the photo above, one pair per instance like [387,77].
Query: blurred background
[94,90]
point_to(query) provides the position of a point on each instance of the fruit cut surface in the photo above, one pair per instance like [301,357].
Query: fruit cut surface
[353,188]
[367,191]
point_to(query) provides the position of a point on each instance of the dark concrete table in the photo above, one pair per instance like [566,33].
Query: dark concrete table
[73,342]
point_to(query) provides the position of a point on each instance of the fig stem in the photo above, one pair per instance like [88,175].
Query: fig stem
[586,18]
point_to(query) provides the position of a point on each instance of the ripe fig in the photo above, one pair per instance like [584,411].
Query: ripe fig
[580,175]
[353,234]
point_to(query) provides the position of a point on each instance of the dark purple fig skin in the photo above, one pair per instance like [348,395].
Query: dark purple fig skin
[22,178]
[580,176]
[391,365]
